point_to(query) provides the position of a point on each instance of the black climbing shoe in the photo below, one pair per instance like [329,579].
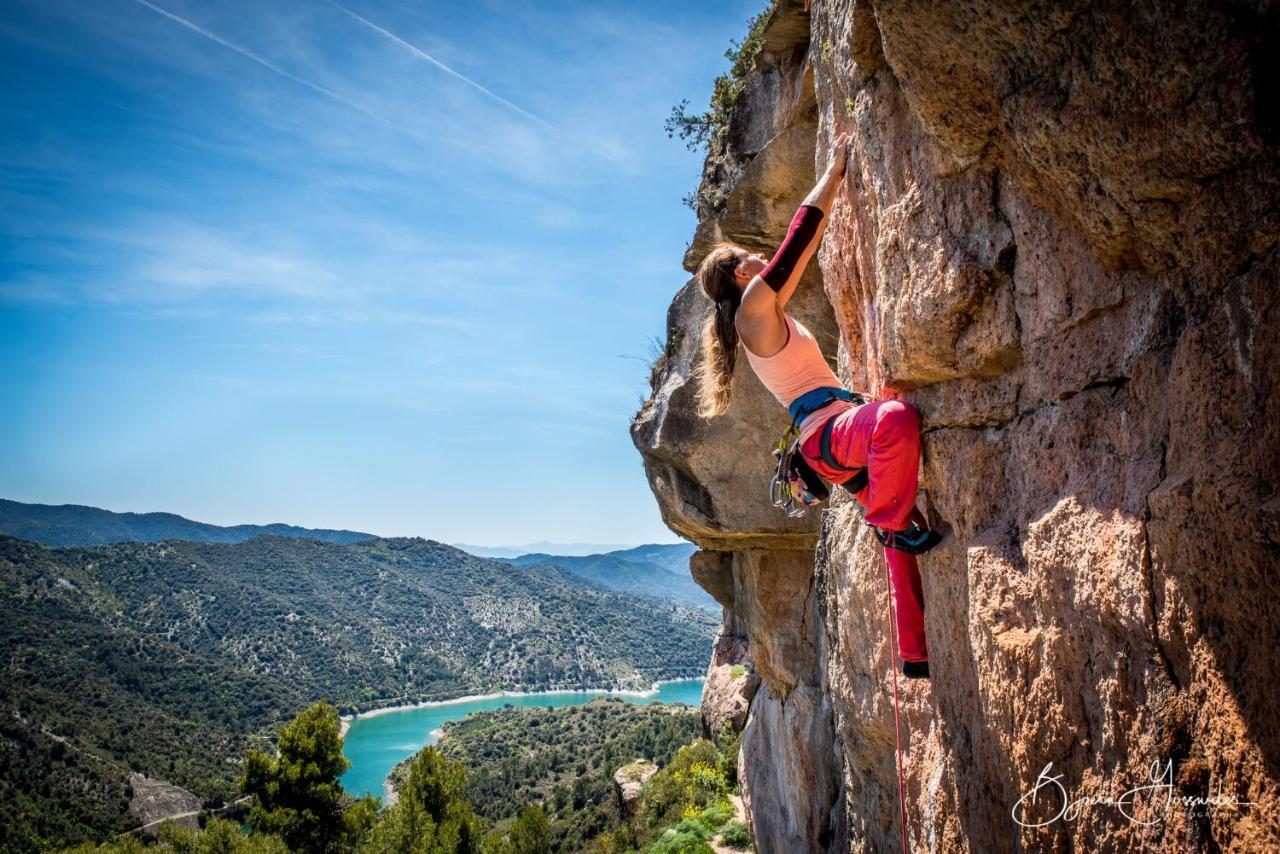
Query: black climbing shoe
[914,540]
[916,669]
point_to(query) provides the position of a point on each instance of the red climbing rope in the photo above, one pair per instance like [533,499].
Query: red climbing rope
[897,725]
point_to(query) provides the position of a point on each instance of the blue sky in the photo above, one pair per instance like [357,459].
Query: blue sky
[386,266]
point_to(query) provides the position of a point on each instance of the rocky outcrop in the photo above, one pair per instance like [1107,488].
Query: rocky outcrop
[153,802]
[731,681]
[1057,239]
[628,783]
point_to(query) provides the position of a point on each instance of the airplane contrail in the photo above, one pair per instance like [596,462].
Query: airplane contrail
[328,93]
[423,55]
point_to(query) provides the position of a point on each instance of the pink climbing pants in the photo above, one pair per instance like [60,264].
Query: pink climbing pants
[884,436]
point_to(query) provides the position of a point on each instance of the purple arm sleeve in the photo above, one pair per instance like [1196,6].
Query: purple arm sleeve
[804,225]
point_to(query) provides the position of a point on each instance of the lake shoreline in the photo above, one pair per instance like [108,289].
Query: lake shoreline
[470,698]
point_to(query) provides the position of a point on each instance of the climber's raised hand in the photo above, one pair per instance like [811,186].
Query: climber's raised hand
[824,192]
[839,160]
[769,291]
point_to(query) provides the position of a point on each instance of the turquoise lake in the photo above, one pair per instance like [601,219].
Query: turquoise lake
[376,744]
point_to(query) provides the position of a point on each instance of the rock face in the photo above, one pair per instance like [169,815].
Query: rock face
[731,682]
[1057,239]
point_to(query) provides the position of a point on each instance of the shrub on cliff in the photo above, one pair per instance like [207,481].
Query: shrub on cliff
[687,837]
[736,835]
[702,129]
[530,834]
[685,787]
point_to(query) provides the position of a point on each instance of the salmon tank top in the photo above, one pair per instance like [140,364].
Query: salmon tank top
[795,369]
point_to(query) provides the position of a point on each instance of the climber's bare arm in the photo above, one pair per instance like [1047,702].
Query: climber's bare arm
[760,320]
[821,197]
[824,192]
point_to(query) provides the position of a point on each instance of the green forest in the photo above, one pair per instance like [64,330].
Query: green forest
[173,658]
[562,758]
[446,805]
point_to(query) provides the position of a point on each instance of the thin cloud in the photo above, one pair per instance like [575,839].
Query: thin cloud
[212,36]
[420,54]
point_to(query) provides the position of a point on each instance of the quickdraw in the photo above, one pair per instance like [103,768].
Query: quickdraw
[795,486]
[790,489]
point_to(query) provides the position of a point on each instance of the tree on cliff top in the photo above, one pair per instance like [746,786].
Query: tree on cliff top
[700,129]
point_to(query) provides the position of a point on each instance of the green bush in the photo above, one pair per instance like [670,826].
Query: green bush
[689,782]
[727,755]
[431,813]
[297,795]
[686,838]
[687,801]
[123,845]
[219,837]
[716,814]
[530,834]
[736,835]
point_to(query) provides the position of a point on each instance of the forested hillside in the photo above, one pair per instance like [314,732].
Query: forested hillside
[169,657]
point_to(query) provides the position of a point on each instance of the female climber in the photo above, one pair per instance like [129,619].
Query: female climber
[837,437]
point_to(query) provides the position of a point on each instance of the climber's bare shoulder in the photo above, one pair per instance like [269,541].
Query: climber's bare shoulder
[760,321]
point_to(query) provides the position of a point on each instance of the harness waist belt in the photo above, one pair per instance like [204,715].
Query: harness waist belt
[811,401]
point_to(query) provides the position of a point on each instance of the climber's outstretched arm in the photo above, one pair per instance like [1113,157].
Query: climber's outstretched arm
[770,290]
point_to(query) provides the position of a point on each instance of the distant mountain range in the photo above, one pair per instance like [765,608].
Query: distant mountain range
[543,547]
[656,572]
[77,525]
[170,657]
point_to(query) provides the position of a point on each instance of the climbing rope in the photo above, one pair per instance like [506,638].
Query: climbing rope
[897,724]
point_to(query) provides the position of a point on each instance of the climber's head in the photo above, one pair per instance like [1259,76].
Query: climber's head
[723,273]
[728,268]
[750,265]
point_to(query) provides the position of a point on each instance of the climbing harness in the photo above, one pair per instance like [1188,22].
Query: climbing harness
[814,399]
[897,723]
[795,486]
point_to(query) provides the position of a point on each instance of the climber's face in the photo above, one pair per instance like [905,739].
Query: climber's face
[749,266]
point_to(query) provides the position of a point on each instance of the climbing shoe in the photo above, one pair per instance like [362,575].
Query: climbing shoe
[914,540]
[916,669]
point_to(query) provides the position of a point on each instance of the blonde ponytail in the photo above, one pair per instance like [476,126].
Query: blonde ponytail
[719,334]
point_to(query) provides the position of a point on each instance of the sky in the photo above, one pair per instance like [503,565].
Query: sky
[379,265]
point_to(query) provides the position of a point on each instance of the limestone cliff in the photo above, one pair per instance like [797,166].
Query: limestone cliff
[1057,239]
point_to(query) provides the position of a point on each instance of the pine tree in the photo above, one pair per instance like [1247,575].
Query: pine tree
[531,834]
[297,793]
[431,814]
